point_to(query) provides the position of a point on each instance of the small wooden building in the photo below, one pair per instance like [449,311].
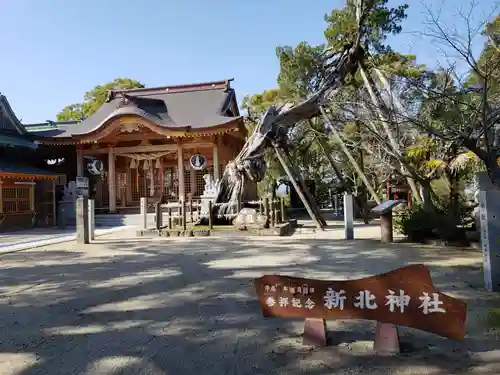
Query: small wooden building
[27,193]
[145,139]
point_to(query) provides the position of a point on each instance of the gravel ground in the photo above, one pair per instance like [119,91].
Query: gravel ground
[186,306]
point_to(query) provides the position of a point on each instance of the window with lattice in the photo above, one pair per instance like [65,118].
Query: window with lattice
[16,199]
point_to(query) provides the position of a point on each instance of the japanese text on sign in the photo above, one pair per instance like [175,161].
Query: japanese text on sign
[405,296]
[364,299]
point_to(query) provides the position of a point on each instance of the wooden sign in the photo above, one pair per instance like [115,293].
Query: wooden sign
[405,296]
[387,206]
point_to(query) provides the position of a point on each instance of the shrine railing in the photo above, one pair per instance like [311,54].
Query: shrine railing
[182,213]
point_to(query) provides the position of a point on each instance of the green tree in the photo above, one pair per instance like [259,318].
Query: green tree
[300,70]
[381,21]
[95,98]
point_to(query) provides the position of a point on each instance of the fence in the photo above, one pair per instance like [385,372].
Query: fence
[182,213]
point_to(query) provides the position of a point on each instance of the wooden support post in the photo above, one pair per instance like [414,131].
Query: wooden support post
[144,213]
[92,219]
[79,163]
[111,180]
[386,232]
[192,183]
[82,221]
[266,210]
[275,212]
[184,215]
[271,212]
[191,217]
[129,183]
[282,209]
[288,171]
[54,202]
[32,196]
[158,216]
[210,223]
[216,161]
[261,206]
[305,190]
[170,218]
[180,173]
[1,196]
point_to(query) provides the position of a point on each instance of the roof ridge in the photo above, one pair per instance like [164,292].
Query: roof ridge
[185,87]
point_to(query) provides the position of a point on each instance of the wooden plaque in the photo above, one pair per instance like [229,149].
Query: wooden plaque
[405,296]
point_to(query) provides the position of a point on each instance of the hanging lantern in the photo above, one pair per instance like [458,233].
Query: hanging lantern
[158,164]
[146,165]
[132,164]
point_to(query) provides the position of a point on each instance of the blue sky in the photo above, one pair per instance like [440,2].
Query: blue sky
[55,50]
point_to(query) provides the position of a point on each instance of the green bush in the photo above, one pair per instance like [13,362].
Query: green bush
[416,224]
[419,224]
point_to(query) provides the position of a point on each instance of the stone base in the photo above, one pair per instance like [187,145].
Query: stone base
[314,332]
[283,229]
[386,340]
[164,232]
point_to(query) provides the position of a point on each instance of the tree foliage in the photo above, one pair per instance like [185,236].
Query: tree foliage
[95,98]
[381,22]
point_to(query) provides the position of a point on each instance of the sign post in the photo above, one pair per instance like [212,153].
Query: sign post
[82,221]
[384,209]
[405,296]
[348,217]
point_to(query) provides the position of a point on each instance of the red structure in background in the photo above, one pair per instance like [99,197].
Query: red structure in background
[395,190]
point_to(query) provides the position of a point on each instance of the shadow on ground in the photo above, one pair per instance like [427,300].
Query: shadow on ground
[187,306]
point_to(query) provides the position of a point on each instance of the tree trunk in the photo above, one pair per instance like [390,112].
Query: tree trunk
[351,159]
[368,82]
[427,196]
[361,188]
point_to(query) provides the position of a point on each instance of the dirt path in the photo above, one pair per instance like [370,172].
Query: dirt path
[186,306]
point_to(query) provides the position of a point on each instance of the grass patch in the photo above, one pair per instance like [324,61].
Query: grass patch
[493,318]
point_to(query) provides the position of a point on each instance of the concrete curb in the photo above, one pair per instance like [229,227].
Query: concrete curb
[56,239]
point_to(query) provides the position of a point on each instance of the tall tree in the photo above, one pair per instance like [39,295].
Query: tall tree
[380,22]
[95,98]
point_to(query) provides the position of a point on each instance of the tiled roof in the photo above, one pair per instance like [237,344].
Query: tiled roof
[9,167]
[195,106]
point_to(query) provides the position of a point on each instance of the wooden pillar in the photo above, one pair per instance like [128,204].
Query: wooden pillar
[1,197]
[297,188]
[54,202]
[192,177]
[216,161]
[111,180]
[129,184]
[180,173]
[79,163]
[32,196]
[144,213]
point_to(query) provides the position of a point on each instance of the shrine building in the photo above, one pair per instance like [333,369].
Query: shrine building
[27,193]
[148,142]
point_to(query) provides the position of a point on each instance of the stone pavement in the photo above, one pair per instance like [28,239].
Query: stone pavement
[32,238]
[166,306]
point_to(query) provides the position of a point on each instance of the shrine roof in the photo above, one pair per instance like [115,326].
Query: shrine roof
[12,169]
[12,132]
[193,106]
